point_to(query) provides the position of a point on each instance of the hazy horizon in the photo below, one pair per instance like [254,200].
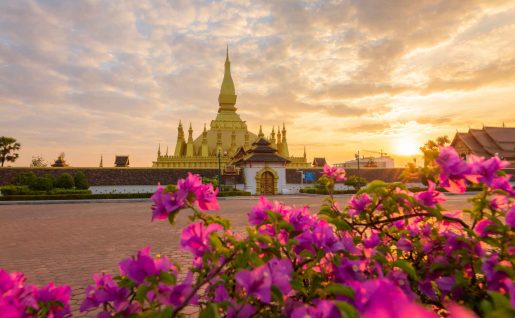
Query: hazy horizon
[108,78]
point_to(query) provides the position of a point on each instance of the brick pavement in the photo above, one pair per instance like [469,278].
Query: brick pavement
[67,243]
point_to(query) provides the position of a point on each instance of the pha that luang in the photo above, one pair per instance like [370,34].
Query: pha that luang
[227,138]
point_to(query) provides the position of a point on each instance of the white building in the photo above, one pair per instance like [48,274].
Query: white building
[368,162]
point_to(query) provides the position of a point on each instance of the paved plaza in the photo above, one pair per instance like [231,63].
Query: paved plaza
[66,243]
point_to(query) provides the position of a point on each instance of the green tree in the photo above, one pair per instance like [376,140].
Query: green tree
[38,162]
[8,149]
[65,181]
[81,182]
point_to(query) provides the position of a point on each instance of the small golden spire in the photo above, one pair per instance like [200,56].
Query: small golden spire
[261,135]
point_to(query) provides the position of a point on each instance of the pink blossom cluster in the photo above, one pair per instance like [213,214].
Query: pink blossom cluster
[20,299]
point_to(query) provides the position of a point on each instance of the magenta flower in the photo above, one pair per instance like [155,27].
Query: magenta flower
[321,309]
[143,265]
[164,204]
[195,237]
[178,294]
[281,270]
[382,298]
[485,171]
[510,217]
[58,298]
[431,197]
[240,310]
[453,170]
[105,291]
[404,245]
[256,282]
[484,228]
[372,241]
[358,204]
[321,237]
[258,212]
[338,174]
[457,311]
[503,183]
[206,197]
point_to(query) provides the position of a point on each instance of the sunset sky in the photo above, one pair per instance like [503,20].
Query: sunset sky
[114,77]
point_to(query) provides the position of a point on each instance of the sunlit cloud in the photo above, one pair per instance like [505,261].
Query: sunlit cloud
[103,77]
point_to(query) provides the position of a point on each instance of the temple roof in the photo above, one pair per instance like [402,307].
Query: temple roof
[261,151]
[489,141]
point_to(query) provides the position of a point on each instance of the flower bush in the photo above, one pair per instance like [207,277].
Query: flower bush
[388,253]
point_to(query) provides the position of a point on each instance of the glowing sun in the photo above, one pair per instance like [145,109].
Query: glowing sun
[406,146]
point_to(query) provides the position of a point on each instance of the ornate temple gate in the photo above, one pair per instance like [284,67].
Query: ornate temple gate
[267,183]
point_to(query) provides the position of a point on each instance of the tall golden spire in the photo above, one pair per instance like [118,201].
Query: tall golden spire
[227,97]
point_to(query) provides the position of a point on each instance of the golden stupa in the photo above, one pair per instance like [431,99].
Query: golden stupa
[226,135]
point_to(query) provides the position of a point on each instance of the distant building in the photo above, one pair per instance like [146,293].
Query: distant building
[368,162]
[219,143]
[60,162]
[319,162]
[486,142]
[121,161]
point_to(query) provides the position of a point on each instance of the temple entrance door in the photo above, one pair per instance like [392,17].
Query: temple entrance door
[267,183]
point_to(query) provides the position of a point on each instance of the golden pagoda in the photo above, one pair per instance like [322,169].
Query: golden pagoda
[227,134]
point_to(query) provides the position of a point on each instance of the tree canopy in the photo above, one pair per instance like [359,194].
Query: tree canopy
[8,149]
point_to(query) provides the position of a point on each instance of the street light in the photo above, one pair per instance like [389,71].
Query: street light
[219,155]
[357,157]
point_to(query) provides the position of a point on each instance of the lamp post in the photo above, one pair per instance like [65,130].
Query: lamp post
[357,157]
[219,155]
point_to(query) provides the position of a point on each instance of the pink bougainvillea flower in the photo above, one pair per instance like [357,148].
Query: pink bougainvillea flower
[373,240]
[338,174]
[382,298]
[105,291]
[195,237]
[256,282]
[178,295]
[164,203]
[453,170]
[281,270]
[404,244]
[484,228]
[321,309]
[431,197]
[485,171]
[206,197]
[510,217]
[358,204]
[503,183]
[143,265]
[457,311]
[58,298]
[258,212]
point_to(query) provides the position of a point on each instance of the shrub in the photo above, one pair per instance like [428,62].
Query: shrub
[356,182]
[25,178]
[171,188]
[15,189]
[43,183]
[68,191]
[64,181]
[81,182]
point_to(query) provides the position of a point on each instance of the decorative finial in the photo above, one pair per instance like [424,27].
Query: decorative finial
[227,55]
[166,150]
[260,135]
[101,161]
[159,150]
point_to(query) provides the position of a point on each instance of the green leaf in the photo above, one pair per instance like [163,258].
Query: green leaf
[500,301]
[167,278]
[141,293]
[211,311]
[277,294]
[171,216]
[407,267]
[338,289]
[167,313]
[346,309]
